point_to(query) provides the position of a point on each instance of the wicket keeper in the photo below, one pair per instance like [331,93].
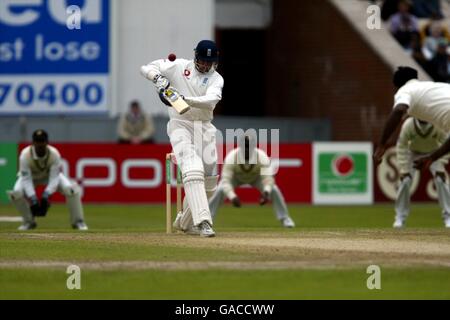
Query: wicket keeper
[40,164]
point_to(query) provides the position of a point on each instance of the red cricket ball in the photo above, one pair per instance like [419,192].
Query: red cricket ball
[172,57]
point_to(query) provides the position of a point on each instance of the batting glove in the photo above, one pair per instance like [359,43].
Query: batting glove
[163,99]
[161,82]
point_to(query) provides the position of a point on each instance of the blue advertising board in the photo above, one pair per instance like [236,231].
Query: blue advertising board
[54,56]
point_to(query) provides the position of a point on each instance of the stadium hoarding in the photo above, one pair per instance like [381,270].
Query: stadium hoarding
[8,169]
[112,173]
[387,177]
[54,57]
[342,173]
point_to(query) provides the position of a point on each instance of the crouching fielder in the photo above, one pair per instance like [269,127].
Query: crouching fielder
[250,165]
[40,164]
[416,139]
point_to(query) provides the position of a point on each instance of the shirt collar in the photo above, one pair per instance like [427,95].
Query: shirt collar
[423,129]
[35,156]
[412,81]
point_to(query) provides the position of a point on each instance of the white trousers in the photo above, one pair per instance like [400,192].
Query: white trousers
[194,145]
[403,201]
[279,205]
[70,189]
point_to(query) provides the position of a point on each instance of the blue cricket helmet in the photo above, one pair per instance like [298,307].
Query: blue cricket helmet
[206,50]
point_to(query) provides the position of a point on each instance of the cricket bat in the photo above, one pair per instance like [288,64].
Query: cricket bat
[177,102]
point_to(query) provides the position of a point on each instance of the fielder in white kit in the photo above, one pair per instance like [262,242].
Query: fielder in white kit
[424,100]
[249,165]
[191,134]
[418,138]
[40,164]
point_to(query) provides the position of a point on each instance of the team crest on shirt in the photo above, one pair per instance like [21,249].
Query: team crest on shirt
[205,81]
[187,73]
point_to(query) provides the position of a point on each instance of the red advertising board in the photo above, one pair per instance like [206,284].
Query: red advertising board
[387,176]
[113,173]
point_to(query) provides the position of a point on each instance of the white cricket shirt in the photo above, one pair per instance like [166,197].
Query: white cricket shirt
[427,101]
[202,91]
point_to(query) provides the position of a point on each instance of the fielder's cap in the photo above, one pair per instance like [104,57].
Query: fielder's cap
[40,136]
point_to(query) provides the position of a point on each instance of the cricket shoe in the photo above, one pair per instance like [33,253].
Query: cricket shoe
[27,226]
[80,225]
[447,222]
[288,222]
[206,230]
[398,223]
[177,223]
[194,230]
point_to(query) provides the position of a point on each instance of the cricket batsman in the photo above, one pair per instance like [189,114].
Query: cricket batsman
[249,165]
[416,138]
[40,164]
[192,134]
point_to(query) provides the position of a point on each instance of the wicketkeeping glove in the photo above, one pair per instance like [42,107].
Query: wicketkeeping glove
[45,204]
[34,207]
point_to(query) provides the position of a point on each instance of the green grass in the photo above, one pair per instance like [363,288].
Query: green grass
[219,284]
[113,218]
[136,233]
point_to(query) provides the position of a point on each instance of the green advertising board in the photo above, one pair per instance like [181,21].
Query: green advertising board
[342,173]
[8,168]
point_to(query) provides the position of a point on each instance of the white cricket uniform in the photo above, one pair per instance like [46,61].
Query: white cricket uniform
[191,134]
[258,173]
[202,91]
[427,101]
[415,140]
[35,171]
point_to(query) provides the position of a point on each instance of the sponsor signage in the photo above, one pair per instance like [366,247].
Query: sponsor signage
[135,173]
[54,57]
[8,169]
[387,179]
[342,173]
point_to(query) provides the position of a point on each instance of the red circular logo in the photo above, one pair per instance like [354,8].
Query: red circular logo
[343,165]
[187,73]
